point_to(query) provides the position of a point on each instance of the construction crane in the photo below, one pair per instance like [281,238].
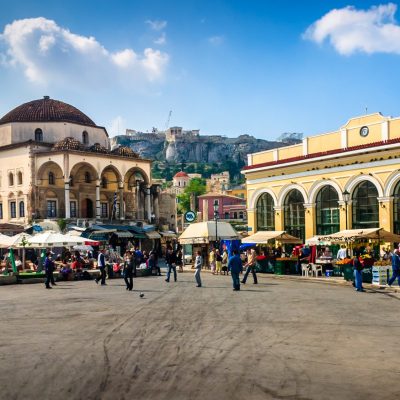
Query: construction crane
[168,119]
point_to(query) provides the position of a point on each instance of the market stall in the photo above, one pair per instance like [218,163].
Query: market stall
[281,265]
[361,239]
[201,234]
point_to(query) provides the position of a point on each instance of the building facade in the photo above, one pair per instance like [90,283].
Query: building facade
[229,207]
[55,162]
[349,178]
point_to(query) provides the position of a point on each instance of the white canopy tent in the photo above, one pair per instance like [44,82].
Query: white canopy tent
[206,232]
[264,237]
[350,235]
[316,241]
[52,239]
[19,240]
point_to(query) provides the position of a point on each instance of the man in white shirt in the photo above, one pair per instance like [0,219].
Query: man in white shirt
[342,253]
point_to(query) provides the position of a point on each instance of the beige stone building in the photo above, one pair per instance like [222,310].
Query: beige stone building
[55,162]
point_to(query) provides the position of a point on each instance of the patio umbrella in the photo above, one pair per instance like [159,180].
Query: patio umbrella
[83,247]
[52,239]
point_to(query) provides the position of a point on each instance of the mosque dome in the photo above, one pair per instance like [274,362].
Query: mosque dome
[47,110]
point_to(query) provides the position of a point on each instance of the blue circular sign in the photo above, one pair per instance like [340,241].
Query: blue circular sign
[190,216]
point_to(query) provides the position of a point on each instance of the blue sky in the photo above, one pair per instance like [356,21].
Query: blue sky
[224,67]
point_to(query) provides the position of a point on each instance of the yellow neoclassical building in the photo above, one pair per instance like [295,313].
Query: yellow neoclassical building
[349,178]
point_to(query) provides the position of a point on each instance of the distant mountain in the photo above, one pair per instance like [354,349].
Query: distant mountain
[176,146]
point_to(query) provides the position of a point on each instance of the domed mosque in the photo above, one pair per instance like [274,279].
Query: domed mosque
[57,163]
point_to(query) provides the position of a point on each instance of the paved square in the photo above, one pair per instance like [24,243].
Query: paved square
[280,339]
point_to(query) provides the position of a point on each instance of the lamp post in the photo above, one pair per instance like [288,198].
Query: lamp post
[216,217]
[346,198]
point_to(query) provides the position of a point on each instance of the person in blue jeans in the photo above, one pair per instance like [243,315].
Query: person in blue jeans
[235,266]
[170,259]
[358,273]
[395,268]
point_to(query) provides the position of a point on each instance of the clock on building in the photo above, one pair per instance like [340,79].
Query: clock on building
[364,131]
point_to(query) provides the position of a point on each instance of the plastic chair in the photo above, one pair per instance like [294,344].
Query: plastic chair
[305,271]
[315,269]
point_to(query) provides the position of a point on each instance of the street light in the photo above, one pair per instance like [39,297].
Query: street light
[346,199]
[216,217]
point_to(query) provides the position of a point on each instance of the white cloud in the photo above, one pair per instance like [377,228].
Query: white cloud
[156,25]
[366,31]
[162,39]
[216,40]
[117,126]
[50,54]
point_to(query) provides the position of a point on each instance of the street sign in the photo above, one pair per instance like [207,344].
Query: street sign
[249,228]
[190,216]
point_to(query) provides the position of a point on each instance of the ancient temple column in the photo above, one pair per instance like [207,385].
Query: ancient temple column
[121,201]
[67,202]
[98,207]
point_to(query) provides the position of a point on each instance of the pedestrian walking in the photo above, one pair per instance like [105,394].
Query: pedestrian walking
[49,267]
[395,267]
[138,259]
[153,264]
[129,266]
[358,273]
[197,265]
[179,261]
[235,266]
[211,260]
[250,266]
[218,262]
[101,264]
[225,262]
[170,259]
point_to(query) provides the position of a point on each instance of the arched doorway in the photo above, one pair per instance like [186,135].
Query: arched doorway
[294,214]
[365,206]
[396,208]
[87,208]
[327,211]
[265,213]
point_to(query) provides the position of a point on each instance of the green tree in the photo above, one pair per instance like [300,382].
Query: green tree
[196,186]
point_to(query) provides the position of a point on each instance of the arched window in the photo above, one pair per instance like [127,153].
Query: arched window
[104,182]
[21,209]
[265,213]
[10,179]
[327,210]
[52,180]
[38,135]
[396,209]
[87,177]
[294,214]
[365,206]
[85,137]
[19,177]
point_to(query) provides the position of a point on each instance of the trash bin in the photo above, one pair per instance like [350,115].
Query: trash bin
[279,267]
[367,275]
[348,272]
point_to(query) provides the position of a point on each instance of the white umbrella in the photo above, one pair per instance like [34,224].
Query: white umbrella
[19,240]
[52,239]
[83,247]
